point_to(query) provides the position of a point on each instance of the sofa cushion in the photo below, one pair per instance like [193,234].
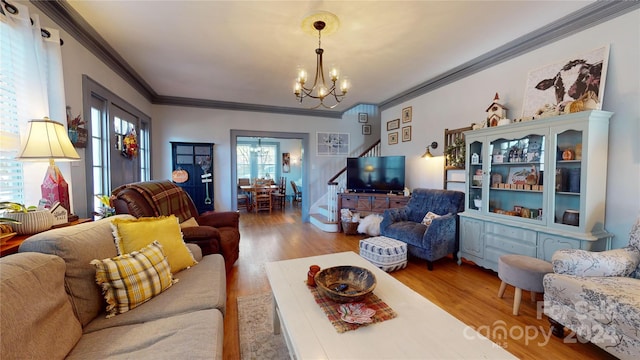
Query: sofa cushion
[408,231]
[438,201]
[196,335]
[134,234]
[200,287]
[132,279]
[35,312]
[610,301]
[77,246]
[634,241]
[618,262]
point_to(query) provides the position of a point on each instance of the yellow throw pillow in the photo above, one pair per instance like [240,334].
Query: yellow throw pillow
[191,222]
[132,235]
[130,280]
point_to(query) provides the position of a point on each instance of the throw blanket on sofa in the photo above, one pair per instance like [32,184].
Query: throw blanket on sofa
[165,198]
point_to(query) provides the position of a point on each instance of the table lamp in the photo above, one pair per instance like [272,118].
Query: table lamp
[48,140]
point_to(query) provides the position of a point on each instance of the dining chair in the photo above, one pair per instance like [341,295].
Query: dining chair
[262,199]
[278,196]
[244,198]
[297,194]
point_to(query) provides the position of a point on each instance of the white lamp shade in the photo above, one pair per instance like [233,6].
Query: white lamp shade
[47,140]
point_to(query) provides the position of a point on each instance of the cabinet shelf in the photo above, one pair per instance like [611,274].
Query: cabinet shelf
[518,190]
[569,161]
[521,163]
[517,220]
[567,193]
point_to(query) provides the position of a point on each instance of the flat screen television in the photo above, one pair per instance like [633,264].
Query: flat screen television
[379,174]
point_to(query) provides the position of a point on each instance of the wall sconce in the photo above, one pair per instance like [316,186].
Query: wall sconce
[427,154]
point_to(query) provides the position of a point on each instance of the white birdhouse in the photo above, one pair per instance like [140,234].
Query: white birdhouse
[495,112]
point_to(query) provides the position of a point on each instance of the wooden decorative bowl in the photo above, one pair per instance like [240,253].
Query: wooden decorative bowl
[345,284]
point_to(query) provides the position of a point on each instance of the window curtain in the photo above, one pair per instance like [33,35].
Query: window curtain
[31,87]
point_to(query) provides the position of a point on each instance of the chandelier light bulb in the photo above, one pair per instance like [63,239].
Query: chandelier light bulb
[345,85]
[302,75]
[322,91]
[334,73]
[297,88]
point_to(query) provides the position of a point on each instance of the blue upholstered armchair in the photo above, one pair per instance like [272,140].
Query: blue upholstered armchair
[435,241]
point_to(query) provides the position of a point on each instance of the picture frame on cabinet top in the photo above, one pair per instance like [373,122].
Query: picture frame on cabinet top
[558,84]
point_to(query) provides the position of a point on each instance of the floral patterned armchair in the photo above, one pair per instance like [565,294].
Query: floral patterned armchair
[597,295]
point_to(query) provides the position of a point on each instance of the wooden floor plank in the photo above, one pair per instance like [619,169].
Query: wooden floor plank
[468,292]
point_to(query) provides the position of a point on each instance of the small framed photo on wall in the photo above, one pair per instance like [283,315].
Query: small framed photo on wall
[406,133]
[393,138]
[406,114]
[366,129]
[393,124]
[286,162]
[363,117]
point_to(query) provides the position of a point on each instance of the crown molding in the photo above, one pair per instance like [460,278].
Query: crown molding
[593,14]
[589,16]
[227,105]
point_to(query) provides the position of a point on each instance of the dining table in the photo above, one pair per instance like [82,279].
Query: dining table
[251,189]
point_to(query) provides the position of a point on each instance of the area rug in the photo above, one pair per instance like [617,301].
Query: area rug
[255,325]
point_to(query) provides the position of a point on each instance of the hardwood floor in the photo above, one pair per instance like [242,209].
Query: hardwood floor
[468,292]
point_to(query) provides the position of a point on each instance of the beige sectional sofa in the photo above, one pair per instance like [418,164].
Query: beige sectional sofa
[51,307]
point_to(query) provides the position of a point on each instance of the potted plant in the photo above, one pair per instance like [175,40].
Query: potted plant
[26,220]
[73,126]
[455,153]
[105,209]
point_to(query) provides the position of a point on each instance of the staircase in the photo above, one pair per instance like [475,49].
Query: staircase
[326,216]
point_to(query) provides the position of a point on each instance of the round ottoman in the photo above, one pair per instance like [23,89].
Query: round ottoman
[523,273]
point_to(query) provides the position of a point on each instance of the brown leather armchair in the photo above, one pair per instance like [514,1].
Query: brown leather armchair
[217,233]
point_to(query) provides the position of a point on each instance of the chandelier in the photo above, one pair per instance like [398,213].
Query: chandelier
[258,150]
[320,90]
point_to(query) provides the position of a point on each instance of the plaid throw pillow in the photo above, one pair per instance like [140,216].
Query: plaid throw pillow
[130,280]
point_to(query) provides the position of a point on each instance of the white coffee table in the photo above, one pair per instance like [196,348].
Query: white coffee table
[421,331]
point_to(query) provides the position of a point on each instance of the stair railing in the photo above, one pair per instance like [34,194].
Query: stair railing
[339,181]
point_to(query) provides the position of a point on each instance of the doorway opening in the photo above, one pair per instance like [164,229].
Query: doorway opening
[270,154]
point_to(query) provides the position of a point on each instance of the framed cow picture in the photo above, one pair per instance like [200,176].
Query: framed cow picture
[551,88]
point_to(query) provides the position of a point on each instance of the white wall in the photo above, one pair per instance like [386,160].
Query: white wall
[464,102]
[294,148]
[177,123]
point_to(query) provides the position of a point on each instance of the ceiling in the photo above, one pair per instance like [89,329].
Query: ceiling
[247,51]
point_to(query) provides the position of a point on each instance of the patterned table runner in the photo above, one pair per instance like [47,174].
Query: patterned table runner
[330,308]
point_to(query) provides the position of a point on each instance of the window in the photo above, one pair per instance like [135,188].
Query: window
[99,144]
[143,152]
[257,159]
[112,119]
[30,70]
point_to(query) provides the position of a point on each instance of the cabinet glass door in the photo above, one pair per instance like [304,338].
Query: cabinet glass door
[475,174]
[516,174]
[568,171]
